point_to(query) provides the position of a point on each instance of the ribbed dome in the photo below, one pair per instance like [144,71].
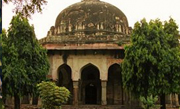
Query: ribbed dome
[89,21]
[91,16]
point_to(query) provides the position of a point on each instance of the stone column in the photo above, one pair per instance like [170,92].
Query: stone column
[103,94]
[168,99]
[75,92]
[176,100]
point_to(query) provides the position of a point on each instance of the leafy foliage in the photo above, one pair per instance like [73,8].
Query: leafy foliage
[149,102]
[52,96]
[27,7]
[25,62]
[171,29]
[152,62]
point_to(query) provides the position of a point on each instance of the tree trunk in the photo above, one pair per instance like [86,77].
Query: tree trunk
[16,101]
[163,101]
[35,100]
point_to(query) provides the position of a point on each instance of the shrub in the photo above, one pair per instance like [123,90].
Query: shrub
[52,96]
[149,102]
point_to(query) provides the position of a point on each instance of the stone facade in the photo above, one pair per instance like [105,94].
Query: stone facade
[93,76]
[85,53]
[84,69]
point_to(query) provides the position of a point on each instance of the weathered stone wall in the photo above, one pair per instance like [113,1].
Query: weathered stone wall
[77,62]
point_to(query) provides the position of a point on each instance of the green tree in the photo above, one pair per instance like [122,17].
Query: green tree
[25,62]
[2,35]
[171,29]
[152,62]
[27,7]
[52,96]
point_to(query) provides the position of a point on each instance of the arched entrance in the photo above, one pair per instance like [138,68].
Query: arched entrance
[90,85]
[90,94]
[115,93]
[64,79]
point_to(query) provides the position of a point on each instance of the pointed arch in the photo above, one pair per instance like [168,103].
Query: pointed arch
[115,93]
[90,90]
[64,73]
[90,71]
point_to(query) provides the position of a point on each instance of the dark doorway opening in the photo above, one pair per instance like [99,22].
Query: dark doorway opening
[90,94]
[64,79]
[115,92]
[90,88]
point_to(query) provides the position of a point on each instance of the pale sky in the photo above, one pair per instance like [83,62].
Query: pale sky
[135,10]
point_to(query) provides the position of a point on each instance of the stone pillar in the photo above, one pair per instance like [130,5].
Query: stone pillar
[179,98]
[103,94]
[168,99]
[176,100]
[75,92]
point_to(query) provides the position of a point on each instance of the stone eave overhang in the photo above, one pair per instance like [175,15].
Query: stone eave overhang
[84,48]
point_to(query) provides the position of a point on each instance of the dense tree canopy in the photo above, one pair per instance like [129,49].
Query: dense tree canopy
[25,62]
[152,62]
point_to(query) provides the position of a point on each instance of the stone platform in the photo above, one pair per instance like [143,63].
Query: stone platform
[28,106]
[95,107]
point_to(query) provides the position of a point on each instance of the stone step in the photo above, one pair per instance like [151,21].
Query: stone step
[94,107]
